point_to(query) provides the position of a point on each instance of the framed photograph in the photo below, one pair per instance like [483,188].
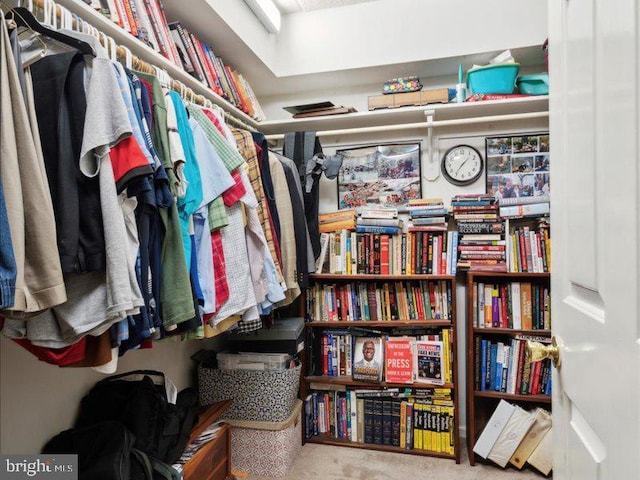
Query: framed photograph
[379,175]
[518,168]
[367,359]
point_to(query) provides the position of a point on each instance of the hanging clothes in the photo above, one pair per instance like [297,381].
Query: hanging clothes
[301,148]
[39,283]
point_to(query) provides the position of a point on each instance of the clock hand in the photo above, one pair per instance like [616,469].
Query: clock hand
[463,162]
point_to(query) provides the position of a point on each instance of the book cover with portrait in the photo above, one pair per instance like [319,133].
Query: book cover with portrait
[368,360]
[429,362]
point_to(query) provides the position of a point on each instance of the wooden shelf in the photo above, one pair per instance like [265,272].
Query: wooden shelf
[480,404]
[476,273]
[373,446]
[380,278]
[513,397]
[384,324]
[348,381]
[449,324]
[510,331]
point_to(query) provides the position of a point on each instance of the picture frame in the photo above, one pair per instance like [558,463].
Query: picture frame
[367,364]
[386,175]
[517,168]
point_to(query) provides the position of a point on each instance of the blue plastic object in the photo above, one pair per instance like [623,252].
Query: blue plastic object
[497,78]
[533,84]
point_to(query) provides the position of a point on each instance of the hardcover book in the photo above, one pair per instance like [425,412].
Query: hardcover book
[493,428]
[428,362]
[398,361]
[367,359]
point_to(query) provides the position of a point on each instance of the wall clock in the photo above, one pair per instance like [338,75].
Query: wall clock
[462,165]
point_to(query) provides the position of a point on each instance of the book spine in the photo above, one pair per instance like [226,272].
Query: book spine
[191,53]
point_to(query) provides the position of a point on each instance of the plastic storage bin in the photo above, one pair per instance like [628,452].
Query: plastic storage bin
[257,394]
[253,361]
[497,78]
[533,84]
[266,448]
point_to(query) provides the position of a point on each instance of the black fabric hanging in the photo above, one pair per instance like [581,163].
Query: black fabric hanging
[301,147]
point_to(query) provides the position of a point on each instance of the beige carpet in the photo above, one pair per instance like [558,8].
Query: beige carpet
[325,462]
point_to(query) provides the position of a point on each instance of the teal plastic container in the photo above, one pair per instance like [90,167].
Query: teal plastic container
[497,78]
[533,84]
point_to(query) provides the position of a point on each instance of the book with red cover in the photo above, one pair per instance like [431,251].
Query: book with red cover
[384,254]
[398,360]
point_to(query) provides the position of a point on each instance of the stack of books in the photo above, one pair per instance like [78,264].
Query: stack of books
[145,20]
[336,221]
[517,436]
[382,220]
[428,214]
[481,245]
[318,109]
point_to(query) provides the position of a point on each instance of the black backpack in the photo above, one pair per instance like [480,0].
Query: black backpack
[105,452]
[138,400]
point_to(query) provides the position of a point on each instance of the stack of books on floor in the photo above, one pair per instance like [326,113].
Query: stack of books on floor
[481,244]
[517,436]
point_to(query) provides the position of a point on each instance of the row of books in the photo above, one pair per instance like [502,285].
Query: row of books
[529,250]
[417,422]
[145,19]
[517,305]
[501,367]
[421,250]
[380,301]
[517,436]
[407,359]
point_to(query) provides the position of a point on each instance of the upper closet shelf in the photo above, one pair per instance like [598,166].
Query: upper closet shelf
[442,115]
[121,37]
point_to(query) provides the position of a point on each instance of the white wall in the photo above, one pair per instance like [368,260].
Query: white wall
[398,31]
[39,400]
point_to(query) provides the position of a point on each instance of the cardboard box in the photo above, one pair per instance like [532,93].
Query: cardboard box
[396,100]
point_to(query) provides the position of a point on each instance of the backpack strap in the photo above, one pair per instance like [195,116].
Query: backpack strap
[141,465]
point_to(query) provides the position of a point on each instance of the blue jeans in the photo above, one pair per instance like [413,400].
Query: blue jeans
[7,260]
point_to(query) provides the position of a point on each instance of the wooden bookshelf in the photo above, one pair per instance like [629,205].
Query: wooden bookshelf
[380,448]
[314,355]
[481,404]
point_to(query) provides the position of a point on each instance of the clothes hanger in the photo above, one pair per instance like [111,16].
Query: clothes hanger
[24,18]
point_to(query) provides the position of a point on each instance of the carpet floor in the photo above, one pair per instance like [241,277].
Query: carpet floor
[325,462]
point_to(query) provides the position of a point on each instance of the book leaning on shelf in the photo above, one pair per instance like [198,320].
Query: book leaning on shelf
[517,436]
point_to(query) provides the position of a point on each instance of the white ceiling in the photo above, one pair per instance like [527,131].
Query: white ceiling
[297,6]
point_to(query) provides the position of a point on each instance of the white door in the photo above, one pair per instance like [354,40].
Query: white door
[595,180]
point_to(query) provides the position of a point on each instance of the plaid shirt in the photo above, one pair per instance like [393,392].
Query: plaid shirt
[218,217]
[220,269]
[248,150]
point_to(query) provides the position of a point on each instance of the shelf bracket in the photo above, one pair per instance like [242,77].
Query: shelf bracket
[432,167]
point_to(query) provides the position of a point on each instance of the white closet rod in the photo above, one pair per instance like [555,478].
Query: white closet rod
[436,123]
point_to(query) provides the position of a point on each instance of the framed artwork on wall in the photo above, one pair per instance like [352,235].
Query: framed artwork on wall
[379,175]
[518,168]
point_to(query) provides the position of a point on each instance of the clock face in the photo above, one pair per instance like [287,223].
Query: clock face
[462,165]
